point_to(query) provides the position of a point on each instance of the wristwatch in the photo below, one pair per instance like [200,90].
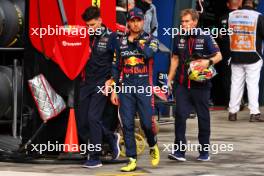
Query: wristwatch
[211,62]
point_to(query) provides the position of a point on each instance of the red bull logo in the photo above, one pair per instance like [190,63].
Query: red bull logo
[133,61]
[136,70]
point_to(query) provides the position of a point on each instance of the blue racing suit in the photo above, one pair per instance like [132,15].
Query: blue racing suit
[134,64]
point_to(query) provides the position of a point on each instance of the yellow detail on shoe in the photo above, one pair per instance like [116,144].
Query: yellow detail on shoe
[96,3]
[140,142]
[155,156]
[131,166]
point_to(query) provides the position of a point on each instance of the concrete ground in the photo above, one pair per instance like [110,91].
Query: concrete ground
[247,157]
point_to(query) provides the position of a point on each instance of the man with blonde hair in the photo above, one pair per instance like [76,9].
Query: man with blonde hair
[190,93]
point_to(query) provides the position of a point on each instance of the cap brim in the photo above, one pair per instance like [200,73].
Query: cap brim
[133,17]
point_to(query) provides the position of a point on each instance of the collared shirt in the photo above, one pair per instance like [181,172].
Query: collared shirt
[186,46]
[98,67]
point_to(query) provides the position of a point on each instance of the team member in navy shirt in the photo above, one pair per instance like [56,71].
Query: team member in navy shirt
[91,122]
[189,93]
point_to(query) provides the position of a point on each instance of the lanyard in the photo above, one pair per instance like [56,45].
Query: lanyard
[83,73]
[93,43]
[191,43]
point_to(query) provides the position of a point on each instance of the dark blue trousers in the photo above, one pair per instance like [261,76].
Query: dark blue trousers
[90,122]
[186,99]
[130,103]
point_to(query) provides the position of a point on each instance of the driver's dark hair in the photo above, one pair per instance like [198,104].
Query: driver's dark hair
[90,13]
[246,3]
[121,3]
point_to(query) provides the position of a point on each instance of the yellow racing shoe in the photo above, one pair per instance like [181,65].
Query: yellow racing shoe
[155,155]
[131,166]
